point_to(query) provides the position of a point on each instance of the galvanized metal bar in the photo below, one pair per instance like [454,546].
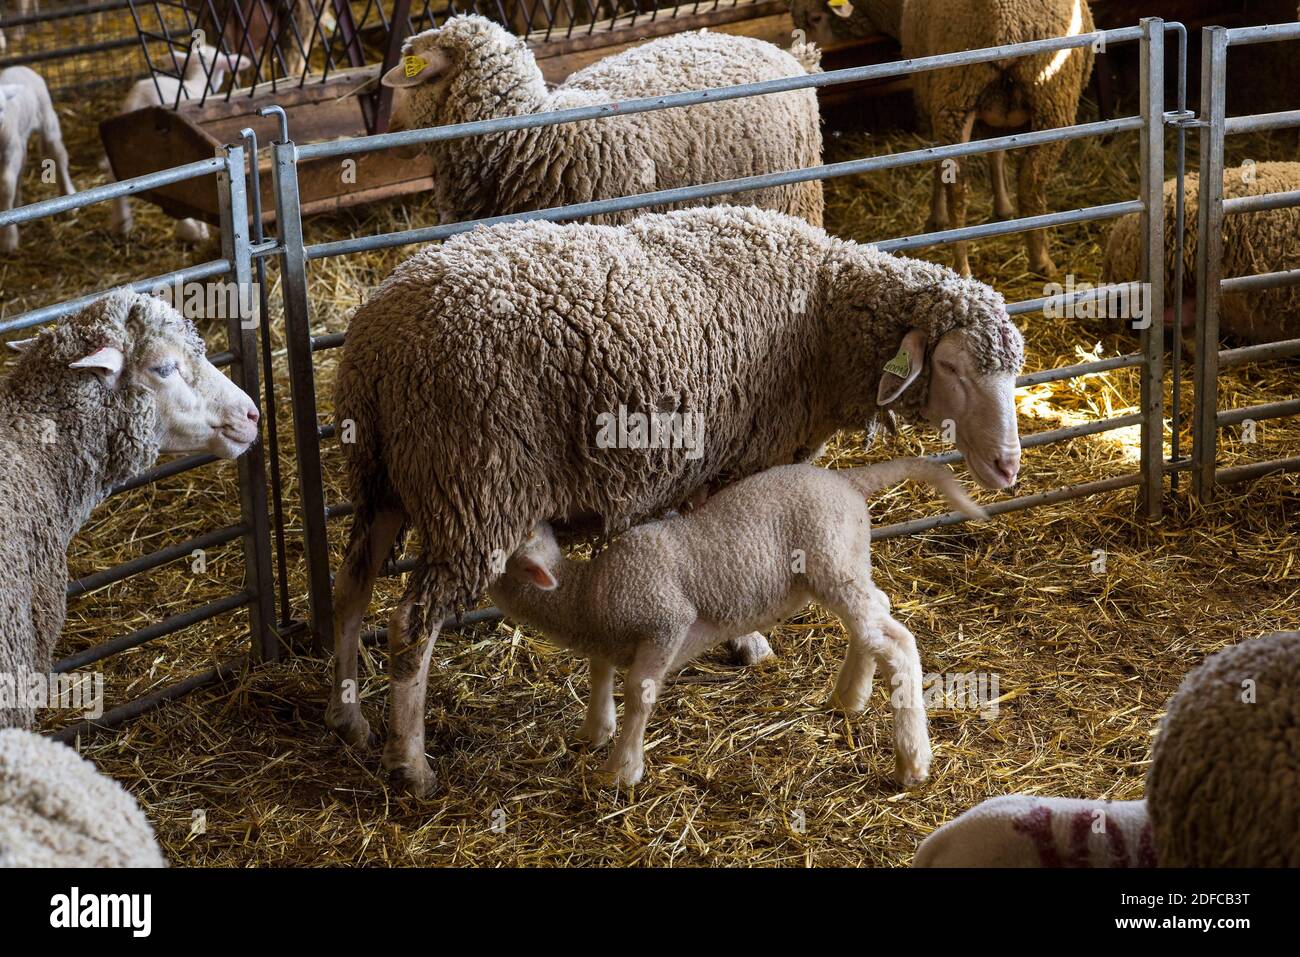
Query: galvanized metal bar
[1026,306]
[1017,504]
[98,194]
[302,387]
[984,230]
[1180,239]
[686,194]
[162,556]
[1260,353]
[1209,259]
[1261,122]
[1081,369]
[476,617]
[1036,440]
[242,331]
[1244,473]
[58,310]
[177,466]
[1266,33]
[1237,205]
[1267,280]
[154,699]
[1266,410]
[1152,230]
[167,626]
[368,144]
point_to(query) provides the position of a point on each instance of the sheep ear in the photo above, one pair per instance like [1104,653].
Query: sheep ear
[416,68]
[531,572]
[902,370]
[22,345]
[106,363]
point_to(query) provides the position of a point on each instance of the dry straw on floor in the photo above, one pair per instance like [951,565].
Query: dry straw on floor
[746,767]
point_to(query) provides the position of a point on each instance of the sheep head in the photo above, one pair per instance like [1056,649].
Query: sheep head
[830,23]
[470,68]
[141,367]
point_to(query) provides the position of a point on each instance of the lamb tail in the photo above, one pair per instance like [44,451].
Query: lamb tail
[809,57]
[872,478]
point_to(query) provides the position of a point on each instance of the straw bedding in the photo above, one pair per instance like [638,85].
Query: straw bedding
[749,767]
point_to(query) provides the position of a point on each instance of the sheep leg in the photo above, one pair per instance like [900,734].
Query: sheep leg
[749,649]
[368,546]
[958,127]
[1035,168]
[641,689]
[1002,208]
[853,685]
[408,665]
[8,195]
[602,718]
[938,204]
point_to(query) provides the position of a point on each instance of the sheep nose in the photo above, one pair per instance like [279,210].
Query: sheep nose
[253,415]
[1008,465]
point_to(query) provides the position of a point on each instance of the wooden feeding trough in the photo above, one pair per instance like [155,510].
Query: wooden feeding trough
[348,102]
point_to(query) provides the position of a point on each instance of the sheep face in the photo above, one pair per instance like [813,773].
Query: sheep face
[202,58]
[830,25]
[974,408]
[537,560]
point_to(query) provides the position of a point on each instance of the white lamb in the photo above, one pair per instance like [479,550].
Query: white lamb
[202,58]
[26,108]
[746,559]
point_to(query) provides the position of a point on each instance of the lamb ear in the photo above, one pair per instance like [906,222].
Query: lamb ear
[531,572]
[416,68]
[21,345]
[105,362]
[901,371]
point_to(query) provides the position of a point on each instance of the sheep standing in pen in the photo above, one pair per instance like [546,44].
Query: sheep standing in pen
[504,378]
[1223,788]
[92,402]
[203,66]
[58,810]
[472,69]
[1038,92]
[1266,241]
[748,558]
[26,108]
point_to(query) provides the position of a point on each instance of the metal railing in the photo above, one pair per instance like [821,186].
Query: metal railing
[73,44]
[1211,284]
[256,593]
[295,255]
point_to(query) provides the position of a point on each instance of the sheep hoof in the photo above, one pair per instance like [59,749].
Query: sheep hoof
[850,706]
[416,780]
[615,774]
[596,734]
[353,729]
[749,650]
[913,772]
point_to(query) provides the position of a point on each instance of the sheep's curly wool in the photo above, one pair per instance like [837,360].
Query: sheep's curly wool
[58,810]
[65,442]
[1267,241]
[494,74]
[1223,789]
[477,372]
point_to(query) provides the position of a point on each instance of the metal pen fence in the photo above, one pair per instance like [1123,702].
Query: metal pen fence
[294,256]
[1211,284]
[256,594]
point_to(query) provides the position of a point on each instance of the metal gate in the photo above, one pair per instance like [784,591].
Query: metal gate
[1211,284]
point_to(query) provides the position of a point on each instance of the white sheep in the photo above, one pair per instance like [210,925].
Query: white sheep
[58,810]
[92,402]
[163,91]
[472,69]
[748,558]
[1039,92]
[515,340]
[26,108]
[1221,789]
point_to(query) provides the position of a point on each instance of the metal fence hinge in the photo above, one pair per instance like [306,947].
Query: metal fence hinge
[1184,119]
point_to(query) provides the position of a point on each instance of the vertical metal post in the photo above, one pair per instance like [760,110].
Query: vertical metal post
[1209,260]
[1153,263]
[242,328]
[302,387]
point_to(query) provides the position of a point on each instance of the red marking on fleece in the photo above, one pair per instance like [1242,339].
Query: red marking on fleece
[1037,823]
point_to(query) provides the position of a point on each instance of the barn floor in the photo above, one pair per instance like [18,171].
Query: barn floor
[746,766]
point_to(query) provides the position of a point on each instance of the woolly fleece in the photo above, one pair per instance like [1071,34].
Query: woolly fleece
[58,810]
[494,74]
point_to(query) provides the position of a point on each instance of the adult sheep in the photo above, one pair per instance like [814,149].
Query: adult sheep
[1267,241]
[472,69]
[58,810]
[487,383]
[93,401]
[1035,92]
[1223,788]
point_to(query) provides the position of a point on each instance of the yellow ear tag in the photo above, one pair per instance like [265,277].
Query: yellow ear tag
[412,65]
[836,3]
[900,365]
